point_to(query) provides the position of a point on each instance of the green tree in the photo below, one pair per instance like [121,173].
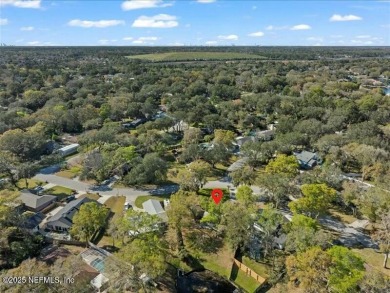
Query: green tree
[90,217]
[270,221]
[201,171]
[224,137]
[277,187]
[283,165]
[245,195]
[382,236]
[315,200]
[336,270]
[147,255]
[150,169]
[238,224]
[346,271]
[311,269]
[182,214]
[191,136]
[245,175]
[304,233]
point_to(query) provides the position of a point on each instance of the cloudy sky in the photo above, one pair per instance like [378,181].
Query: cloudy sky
[194,22]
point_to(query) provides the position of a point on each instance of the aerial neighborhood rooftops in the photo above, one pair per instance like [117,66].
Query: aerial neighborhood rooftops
[154,207]
[307,160]
[238,164]
[35,202]
[62,221]
[69,149]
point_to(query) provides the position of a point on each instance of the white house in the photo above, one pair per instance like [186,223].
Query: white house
[69,149]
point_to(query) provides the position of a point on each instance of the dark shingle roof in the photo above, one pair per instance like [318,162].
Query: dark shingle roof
[35,201]
[66,214]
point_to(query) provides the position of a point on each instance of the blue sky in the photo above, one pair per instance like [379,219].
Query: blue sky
[194,22]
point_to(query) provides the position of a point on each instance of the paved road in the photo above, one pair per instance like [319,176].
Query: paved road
[349,236]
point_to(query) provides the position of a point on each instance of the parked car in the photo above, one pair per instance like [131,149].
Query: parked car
[70,198]
[127,206]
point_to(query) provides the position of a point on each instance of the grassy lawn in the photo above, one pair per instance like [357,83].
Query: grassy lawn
[59,191]
[259,268]
[372,258]
[31,183]
[142,198]
[115,204]
[90,196]
[246,282]
[346,219]
[184,56]
[220,262]
[70,173]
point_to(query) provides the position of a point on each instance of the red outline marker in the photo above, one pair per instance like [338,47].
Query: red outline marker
[217,195]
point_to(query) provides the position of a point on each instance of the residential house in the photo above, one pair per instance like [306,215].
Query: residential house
[307,160]
[154,207]
[62,220]
[36,203]
[237,165]
[69,149]
[240,140]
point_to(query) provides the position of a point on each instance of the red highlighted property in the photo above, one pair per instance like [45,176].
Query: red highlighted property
[217,195]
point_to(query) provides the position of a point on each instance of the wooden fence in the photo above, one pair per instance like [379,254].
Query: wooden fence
[249,272]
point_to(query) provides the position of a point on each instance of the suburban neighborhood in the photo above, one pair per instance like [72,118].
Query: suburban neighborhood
[242,162]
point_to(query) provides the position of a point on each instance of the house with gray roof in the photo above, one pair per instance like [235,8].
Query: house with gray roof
[307,160]
[62,220]
[237,165]
[154,207]
[36,203]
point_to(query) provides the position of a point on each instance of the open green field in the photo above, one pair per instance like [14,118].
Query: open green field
[21,184]
[373,259]
[59,191]
[194,56]
[115,204]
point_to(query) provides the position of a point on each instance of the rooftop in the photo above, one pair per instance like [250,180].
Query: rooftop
[69,147]
[35,201]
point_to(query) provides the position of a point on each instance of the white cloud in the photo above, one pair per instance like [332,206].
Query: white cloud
[3,21]
[34,43]
[128,38]
[385,25]
[228,37]
[362,42]
[27,28]
[105,42]
[22,3]
[148,38]
[336,36]
[136,4]
[179,44]
[211,43]
[97,23]
[256,34]
[350,17]
[205,1]
[315,39]
[145,40]
[363,37]
[157,21]
[300,27]
[276,28]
